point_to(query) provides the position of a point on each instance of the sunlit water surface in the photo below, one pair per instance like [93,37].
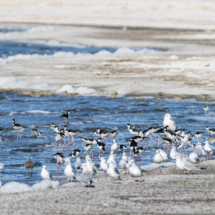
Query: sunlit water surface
[87,114]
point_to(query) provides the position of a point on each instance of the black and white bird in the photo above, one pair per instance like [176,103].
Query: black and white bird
[36,133]
[113,134]
[198,135]
[87,148]
[102,133]
[70,133]
[132,145]
[89,140]
[60,160]
[122,148]
[66,115]
[59,137]
[211,131]
[135,131]
[101,146]
[138,151]
[1,130]
[54,127]
[18,128]
[75,153]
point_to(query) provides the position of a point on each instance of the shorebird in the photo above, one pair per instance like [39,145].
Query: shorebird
[75,153]
[134,170]
[60,160]
[113,172]
[134,131]
[1,130]
[29,165]
[45,174]
[138,151]
[198,135]
[2,166]
[211,131]
[183,164]
[65,116]
[86,177]
[89,140]
[60,137]
[87,148]
[70,133]
[102,133]
[103,165]
[122,148]
[132,144]
[206,108]
[113,135]
[36,133]
[170,122]
[211,139]
[18,128]
[69,171]
[101,146]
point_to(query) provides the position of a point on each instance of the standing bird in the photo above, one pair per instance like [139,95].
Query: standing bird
[194,158]
[60,160]
[87,148]
[18,128]
[36,133]
[59,137]
[29,165]
[122,163]
[65,116]
[211,131]
[113,135]
[1,129]
[206,108]
[69,171]
[122,148]
[75,153]
[113,172]
[90,166]
[134,170]
[198,135]
[135,131]
[211,139]
[158,158]
[70,133]
[174,153]
[103,165]
[101,147]
[45,174]
[138,151]
[168,121]
[114,146]
[86,177]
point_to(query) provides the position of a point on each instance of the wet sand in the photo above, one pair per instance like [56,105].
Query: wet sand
[162,191]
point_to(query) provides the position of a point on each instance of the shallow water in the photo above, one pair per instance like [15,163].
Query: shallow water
[11,48]
[87,114]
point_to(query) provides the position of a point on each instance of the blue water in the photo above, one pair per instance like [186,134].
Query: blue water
[87,114]
[11,48]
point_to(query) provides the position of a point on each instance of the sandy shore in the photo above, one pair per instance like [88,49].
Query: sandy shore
[162,191]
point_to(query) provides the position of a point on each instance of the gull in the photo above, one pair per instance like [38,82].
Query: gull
[163,154]
[158,158]
[198,149]
[134,170]
[194,158]
[90,167]
[114,146]
[205,153]
[183,164]
[45,174]
[96,166]
[113,172]
[128,164]
[168,121]
[69,171]
[111,159]
[174,153]
[123,161]
[29,165]
[103,165]
[86,177]
[18,128]
[209,148]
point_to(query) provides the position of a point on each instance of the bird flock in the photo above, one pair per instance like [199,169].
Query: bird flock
[174,142]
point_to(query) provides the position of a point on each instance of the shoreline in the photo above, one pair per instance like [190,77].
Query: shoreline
[162,191]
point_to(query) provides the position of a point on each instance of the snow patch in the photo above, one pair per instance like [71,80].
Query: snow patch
[80,90]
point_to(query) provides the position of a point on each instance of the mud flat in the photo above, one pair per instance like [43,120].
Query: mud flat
[162,191]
